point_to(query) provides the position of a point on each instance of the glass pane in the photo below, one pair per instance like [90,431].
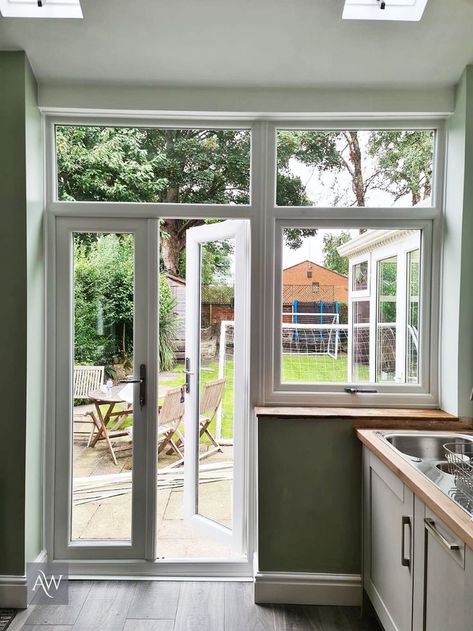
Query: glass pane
[215,491]
[386,320]
[354,168]
[103,269]
[329,333]
[360,276]
[126,164]
[361,340]
[413,316]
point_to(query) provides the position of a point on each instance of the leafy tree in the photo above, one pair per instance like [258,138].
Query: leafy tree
[332,259]
[404,161]
[104,303]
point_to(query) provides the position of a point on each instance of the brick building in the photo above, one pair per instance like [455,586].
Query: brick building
[308,281]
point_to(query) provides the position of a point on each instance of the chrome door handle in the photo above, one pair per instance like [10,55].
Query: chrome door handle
[406,521]
[432,528]
[142,381]
[188,372]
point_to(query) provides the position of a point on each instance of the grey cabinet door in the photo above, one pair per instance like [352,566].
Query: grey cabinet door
[444,584]
[388,514]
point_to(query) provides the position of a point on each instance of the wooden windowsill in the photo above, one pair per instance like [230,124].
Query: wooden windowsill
[408,418]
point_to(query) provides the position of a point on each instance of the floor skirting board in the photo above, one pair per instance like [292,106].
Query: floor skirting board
[13,592]
[298,588]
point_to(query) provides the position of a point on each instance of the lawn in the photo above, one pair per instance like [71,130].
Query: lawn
[209,372]
[296,369]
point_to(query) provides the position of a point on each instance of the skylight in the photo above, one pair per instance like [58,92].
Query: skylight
[40,8]
[409,10]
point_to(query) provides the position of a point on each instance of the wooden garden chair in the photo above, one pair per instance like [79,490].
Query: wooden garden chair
[210,401]
[170,417]
[86,379]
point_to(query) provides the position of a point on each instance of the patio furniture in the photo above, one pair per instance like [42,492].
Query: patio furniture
[210,401]
[110,424]
[170,417]
[86,378]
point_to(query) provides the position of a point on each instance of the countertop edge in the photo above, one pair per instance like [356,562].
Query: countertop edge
[445,508]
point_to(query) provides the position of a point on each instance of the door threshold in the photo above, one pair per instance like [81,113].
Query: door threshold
[161,570]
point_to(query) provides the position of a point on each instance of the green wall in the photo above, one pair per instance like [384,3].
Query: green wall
[456,361]
[309,488]
[21,316]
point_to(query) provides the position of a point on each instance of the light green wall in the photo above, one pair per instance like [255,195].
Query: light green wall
[21,274]
[309,489]
[35,320]
[456,361]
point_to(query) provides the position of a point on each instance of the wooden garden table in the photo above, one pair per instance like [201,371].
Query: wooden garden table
[106,430]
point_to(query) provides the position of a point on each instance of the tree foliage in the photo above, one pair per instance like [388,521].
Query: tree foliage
[104,303]
[332,259]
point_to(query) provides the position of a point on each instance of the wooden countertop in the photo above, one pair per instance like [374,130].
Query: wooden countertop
[379,418]
[453,516]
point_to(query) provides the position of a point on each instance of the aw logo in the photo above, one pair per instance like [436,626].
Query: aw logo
[48,583]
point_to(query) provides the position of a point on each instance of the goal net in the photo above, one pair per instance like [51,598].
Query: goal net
[311,334]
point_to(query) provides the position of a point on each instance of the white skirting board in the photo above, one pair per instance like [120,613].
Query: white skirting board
[298,588]
[13,592]
[13,589]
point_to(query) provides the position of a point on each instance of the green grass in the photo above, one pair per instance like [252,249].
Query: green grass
[209,372]
[319,369]
[295,369]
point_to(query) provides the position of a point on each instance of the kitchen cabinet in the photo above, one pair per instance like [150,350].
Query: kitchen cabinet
[417,573]
[443,583]
[388,544]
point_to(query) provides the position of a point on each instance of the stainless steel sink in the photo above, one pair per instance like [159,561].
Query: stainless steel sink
[424,446]
[425,452]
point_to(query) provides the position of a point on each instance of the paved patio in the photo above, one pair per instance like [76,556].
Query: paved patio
[103,510]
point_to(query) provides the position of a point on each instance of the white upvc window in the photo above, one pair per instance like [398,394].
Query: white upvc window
[371,337]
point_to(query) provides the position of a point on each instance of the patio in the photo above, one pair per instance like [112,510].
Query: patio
[102,505]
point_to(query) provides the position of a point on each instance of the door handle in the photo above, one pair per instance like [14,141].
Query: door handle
[406,521]
[432,528]
[142,381]
[188,372]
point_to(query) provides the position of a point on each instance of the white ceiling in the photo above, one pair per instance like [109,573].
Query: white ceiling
[231,43]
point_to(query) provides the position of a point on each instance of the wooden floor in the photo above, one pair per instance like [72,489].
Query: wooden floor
[183,606]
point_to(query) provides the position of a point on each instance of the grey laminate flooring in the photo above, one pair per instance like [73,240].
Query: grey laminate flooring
[183,606]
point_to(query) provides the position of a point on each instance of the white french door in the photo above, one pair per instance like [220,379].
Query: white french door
[98,514]
[219,515]
[104,501]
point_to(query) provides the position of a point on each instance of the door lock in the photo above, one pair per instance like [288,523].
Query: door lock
[142,381]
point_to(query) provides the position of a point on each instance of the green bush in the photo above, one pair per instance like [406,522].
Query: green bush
[104,303]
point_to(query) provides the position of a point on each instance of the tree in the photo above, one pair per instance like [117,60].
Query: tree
[179,166]
[404,163]
[104,303]
[332,259]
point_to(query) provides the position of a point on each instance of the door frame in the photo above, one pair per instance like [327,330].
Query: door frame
[113,564]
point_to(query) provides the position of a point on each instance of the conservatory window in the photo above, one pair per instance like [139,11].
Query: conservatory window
[360,322]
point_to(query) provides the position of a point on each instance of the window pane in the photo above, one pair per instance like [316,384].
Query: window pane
[413,288]
[329,333]
[360,276]
[382,168]
[361,341]
[102,448]
[120,164]
[386,325]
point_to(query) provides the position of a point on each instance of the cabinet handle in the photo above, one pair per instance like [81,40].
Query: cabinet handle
[432,528]
[406,521]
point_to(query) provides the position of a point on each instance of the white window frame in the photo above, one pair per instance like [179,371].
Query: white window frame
[428,219]
[356,260]
[265,217]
